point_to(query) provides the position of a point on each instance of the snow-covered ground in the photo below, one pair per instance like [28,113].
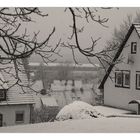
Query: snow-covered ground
[82,110]
[104,125]
[95,125]
[110,111]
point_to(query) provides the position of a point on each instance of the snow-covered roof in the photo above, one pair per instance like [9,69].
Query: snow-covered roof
[15,94]
[55,87]
[64,64]
[37,85]
[88,65]
[34,64]
[137,27]
[49,101]
[3,84]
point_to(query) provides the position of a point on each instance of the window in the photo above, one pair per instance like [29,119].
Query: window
[133,47]
[122,78]
[3,94]
[19,116]
[118,78]
[137,80]
[126,78]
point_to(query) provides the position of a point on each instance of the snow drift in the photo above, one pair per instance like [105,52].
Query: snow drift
[78,110]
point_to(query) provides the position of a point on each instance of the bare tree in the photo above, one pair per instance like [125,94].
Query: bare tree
[65,72]
[16,44]
[90,15]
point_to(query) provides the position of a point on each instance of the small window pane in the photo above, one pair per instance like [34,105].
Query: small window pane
[19,116]
[126,79]
[119,78]
[134,48]
[138,80]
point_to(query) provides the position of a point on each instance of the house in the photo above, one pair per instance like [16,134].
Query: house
[122,90]
[16,100]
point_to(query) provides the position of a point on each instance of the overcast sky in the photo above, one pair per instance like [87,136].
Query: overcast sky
[61,20]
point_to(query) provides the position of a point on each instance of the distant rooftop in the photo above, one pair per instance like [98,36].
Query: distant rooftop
[49,101]
[37,85]
[64,64]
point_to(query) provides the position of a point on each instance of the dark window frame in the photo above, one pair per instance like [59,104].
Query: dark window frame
[137,73]
[122,74]
[19,112]
[132,47]
[4,91]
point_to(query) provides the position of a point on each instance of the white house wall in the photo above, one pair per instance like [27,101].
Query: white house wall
[9,115]
[117,96]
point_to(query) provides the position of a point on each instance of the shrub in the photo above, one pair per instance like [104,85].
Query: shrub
[45,114]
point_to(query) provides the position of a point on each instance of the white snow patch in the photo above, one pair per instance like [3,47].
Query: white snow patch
[99,125]
[49,101]
[37,86]
[78,110]
[107,111]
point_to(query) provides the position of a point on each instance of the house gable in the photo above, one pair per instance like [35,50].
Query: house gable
[119,94]
[134,27]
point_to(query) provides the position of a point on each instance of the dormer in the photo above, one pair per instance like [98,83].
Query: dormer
[3,94]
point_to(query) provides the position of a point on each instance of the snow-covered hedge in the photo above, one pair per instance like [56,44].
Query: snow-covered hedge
[78,110]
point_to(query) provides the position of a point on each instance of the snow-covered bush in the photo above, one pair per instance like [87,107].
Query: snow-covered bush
[78,110]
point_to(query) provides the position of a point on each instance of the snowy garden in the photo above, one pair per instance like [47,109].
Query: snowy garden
[79,117]
[61,72]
